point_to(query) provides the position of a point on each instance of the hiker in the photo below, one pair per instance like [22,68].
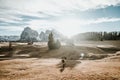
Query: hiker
[63,64]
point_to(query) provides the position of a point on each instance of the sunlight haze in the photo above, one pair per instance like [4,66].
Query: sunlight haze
[69,17]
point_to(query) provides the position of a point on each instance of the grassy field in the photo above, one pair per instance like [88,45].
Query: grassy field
[48,69]
[36,62]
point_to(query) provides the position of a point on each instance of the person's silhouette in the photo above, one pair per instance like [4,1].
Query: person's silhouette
[63,64]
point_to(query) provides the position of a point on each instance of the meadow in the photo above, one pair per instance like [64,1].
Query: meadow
[101,61]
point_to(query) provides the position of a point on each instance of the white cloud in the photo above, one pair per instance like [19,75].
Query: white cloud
[107,20]
[9,19]
[74,25]
[11,28]
[47,7]
[60,6]
[102,20]
[14,16]
[68,26]
[8,16]
[38,24]
[56,8]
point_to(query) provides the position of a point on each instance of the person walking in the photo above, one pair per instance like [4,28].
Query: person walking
[63,61]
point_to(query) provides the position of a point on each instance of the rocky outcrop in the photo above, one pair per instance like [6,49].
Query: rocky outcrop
[28,35]
[44,35]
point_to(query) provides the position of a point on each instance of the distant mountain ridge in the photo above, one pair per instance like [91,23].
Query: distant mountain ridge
[29,34]
[9,38]
[57,35]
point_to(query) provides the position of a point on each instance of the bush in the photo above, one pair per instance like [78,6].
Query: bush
[58,44]
[30,43]
[9,54]
[34,54]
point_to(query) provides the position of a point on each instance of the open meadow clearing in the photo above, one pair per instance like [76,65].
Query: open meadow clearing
[36,62]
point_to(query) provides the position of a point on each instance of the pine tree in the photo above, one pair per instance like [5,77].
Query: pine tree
[51,42]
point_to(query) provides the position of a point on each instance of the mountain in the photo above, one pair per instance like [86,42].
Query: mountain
[28,35]
[57,35]
[9,38]
[43,37]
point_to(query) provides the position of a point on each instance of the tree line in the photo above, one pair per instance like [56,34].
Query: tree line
[98,36]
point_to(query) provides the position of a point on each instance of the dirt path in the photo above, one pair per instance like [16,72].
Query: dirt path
[47,69]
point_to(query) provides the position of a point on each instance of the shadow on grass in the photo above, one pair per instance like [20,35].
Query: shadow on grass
[69,64]
[11,58]
[5,49]
[110,50]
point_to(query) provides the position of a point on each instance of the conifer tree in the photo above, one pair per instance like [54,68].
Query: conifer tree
[51,42]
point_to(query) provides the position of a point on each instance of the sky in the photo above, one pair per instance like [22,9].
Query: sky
[69,17]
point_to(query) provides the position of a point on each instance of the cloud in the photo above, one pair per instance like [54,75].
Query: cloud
[69,26]
[58,6]
[11,28]
[14,11]
[73,26]
[103,20]
[47,9]
[98,21]
[62,15]
[81,22]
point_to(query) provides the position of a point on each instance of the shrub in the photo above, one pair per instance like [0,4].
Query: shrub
[34,54]
[30,43]
[58,44]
